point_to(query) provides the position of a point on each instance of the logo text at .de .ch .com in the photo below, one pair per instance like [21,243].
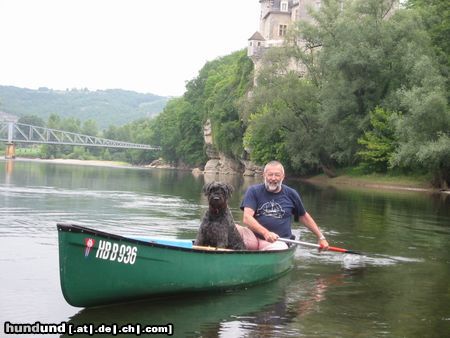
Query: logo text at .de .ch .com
[90,329]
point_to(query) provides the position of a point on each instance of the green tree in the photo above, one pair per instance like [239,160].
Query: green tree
[350,53]
[54,121]
[283,123]
[436,16]
[142,132]
[71,124]
[345,54]
[106,155]
[49,150]
[33,120]
[231,84]
[423,128]
[89,128]
[359,55]
[379,142]
[178,130]
[214,94]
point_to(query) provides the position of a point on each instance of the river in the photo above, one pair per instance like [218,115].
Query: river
[399,288]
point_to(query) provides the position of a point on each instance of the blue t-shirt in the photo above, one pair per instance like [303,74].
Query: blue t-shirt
[274,211]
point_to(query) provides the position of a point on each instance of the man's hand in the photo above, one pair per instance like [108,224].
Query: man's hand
[323,244]
[270,236]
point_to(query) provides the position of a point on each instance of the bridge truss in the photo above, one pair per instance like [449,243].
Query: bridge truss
[12,132]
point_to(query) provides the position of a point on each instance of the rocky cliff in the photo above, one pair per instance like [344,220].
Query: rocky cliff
[220,163]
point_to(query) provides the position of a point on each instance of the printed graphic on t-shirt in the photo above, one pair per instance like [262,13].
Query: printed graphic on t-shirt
[271,209]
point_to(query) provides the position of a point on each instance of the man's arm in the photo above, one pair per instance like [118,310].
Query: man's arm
[309,222]
[253,224]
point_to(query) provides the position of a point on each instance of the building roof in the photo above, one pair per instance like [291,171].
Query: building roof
[257,36]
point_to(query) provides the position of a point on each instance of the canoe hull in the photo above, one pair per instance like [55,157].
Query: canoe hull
[98,268]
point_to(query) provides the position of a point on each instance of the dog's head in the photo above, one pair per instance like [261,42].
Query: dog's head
[218,194]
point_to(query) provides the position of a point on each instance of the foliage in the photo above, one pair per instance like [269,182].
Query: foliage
[139,131]
[379,142]
[284,122]
[264,139]
[213,95]
[355,68]
[423,131]
[89,128]
[105,107]
[33,120]
[32,151]
[358,55]
[436,15]
[349,72]
[227,126]
[178,131]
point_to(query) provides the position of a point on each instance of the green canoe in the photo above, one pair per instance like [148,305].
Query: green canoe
[98,268]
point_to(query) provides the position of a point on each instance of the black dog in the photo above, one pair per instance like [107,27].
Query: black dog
[218,228]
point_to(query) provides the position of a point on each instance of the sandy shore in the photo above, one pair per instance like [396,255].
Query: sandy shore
[96,163]
[360,183]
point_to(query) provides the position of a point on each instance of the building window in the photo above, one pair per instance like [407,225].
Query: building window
[282,31]
[284,6]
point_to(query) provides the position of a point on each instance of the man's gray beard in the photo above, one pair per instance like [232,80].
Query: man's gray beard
[272,187]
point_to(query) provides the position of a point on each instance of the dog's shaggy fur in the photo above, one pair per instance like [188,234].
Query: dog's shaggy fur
[218,228]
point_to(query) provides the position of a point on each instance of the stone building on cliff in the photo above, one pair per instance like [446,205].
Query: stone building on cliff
[277,16]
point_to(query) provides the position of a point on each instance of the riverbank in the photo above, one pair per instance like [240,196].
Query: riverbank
[377,181]
[96,163]
[372,181]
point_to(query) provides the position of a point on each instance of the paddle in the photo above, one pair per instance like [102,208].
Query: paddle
[180,243]
[330,248]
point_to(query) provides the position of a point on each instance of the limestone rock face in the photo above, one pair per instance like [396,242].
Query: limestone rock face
[161,164]
[252,169]
[211,151]
[219,163]
[223,165]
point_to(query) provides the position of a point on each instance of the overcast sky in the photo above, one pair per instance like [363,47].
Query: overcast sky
[148,46]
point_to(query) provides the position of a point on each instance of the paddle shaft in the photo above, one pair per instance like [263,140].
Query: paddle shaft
[209,248]
[330,248]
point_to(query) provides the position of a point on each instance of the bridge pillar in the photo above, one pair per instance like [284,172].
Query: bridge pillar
[10,150]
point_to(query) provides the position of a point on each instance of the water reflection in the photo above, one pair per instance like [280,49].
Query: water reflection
[297,302]
[262,310]
[9,167]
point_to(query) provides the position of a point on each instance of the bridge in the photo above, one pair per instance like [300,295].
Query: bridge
[12,133]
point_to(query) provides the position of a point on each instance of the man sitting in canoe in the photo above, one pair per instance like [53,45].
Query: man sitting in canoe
[268,209]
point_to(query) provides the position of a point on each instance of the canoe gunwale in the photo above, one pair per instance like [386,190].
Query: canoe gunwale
[70,227]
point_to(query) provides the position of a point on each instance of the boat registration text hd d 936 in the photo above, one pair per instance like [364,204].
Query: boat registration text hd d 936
[121,253]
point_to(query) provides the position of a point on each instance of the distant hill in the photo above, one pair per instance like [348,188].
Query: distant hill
[107,107]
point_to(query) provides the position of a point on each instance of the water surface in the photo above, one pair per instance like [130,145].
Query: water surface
[400,288]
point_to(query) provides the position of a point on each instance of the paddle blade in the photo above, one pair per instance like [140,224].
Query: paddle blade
[333,248]
[330,248]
